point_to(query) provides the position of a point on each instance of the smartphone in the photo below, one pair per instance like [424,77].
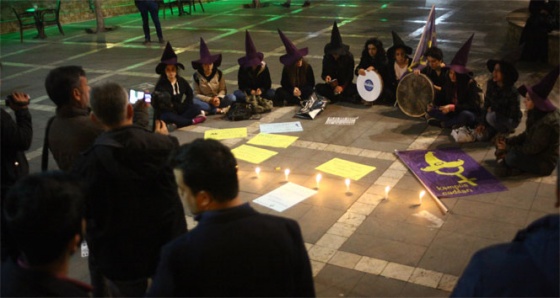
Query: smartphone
[135,96]
[147,97]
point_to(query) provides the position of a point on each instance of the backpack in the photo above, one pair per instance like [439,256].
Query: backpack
[239,111]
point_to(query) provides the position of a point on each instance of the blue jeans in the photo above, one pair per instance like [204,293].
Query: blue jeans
[145,7]
[242,97]
[184,119]
[463,118]
[210,109]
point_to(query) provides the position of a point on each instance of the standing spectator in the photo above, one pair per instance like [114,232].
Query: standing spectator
[399,61]
[253,76]
[182,112]
[542,20]
[151,7]
[298,79]
[234,250]
[45,214]
[338,71]
[132,204]
[71,131]
[374,59]
[16,137]
[288,3]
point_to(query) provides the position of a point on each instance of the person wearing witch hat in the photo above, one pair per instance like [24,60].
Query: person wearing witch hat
[179,109]
[462,105]
[373,59]
[536,149]
[501,112]
[338,71]
[399,61]
[210,91]
[253,76]
[298,79]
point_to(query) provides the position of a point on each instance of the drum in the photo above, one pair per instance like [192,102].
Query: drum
[370,85]
[414,93]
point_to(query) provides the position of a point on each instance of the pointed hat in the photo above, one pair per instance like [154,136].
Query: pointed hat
[398,43]
[205,57]
[539,92]
[252,57]
[292,53]
[168,58]
[459,62]
[336,46]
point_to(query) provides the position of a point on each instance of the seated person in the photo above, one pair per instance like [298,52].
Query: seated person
[210,92]
[462,99]
[234,251]
[501,112]
[298,79]
[45,217]
[374,59]
[536,149]
[253,76]
[436,72]
[338,68]
[399,61]
[182,112]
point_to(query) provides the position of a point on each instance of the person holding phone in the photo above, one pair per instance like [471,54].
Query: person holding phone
[179,110]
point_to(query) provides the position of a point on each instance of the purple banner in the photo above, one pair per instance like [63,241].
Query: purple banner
[427,40]
[450,173]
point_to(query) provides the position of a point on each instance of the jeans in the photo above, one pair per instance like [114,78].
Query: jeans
[210,109]
[500,124]
[184,119]
[463,118]
[151,7]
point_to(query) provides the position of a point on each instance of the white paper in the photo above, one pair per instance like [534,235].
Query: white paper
[281,127]
[285,196]
[341,120]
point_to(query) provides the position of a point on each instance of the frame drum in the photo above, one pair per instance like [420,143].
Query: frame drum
[369,86]
[414,93]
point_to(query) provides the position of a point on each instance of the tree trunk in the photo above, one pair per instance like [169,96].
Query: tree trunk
[99,16]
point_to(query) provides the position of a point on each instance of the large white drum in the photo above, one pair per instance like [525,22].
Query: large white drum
[370,85]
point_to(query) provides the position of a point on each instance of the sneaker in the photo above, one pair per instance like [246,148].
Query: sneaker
[306,4]
[286,4]
[199,119]
[223,110]
[146,42]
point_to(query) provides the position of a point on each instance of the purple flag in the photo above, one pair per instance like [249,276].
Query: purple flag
[450,173]
[427,40]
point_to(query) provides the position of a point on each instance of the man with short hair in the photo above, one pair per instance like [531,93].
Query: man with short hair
[132,204]
[234,250]
[45,216]
[72,130]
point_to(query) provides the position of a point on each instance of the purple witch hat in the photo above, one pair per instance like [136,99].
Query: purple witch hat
[168,58]
[336,46]
[292,53]
[539,92]
[459,62]
[398,43]
[252,57]
[206,58]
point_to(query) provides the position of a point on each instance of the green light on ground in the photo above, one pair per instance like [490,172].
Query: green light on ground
[384,6]
[383,20]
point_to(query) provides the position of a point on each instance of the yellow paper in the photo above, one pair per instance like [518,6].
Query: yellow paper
[252,154]
[272,140]
[345,169]
[228,133]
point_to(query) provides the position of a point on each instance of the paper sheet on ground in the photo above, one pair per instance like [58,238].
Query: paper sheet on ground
[341,120]
[345,169]
[272,140]
[228,133]
[252,154]
[281,127]
[285,196]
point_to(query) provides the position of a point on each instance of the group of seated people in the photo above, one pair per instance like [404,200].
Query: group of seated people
[120,192]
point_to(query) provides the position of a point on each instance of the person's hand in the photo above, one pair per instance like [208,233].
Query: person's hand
[258,91]
[442,65]
[253,92]
[216,101]
[416,71]
[338,90]
[370,68]
[20,101]
[445,109]
[297,92]
[328,79]
[161,127]
[480,128]
[501,143]
[362,72]
[438,88]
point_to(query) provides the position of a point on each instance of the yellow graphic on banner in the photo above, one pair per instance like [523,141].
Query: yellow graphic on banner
[272,140]
[252,154]
[439,167]
[228,133]
[345,169]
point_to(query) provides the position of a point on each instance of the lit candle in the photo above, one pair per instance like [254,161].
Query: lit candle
[318,179]
[258,171]
[387,189]
[286,173]
[347,182]
[422,193]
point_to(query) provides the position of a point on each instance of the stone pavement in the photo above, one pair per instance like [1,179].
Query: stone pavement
[359,243]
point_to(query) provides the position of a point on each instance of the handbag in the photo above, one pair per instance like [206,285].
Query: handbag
[239,111]
[463,134]
[311,107]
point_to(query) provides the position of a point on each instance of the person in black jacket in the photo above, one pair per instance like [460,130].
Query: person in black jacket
[399,61]
[45,216]
[132,204]
[16,137]
[234,251]
[374,59]
[181,111]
